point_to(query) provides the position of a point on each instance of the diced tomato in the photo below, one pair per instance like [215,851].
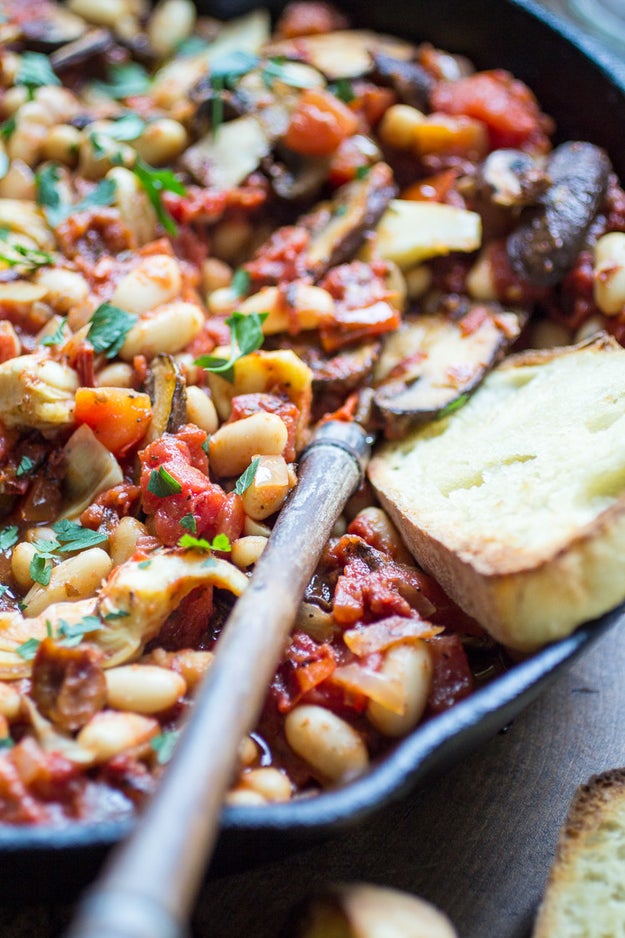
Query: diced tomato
[505,104]
[433,188]
[372,102]
[279,259]
[452,679]
[208,205]
[198,496]
[319,123]
[309,19]
[362,305]
[118,417]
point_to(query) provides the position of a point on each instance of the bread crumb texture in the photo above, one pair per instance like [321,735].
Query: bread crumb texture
[585,894]
[521,493]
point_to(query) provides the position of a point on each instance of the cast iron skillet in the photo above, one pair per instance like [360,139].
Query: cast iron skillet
[584,89]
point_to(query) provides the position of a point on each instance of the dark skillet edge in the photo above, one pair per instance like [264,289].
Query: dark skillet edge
[433,746]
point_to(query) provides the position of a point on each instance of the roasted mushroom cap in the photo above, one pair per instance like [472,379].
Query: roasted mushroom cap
[167,391]
[365,911]
[82,50]
[432,362]
[512,178]
[544,246]
[409,80]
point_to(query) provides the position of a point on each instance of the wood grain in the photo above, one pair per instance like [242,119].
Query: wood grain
[477,842]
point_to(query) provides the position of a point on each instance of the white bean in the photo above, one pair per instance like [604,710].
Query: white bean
[10,701]
[116,375]
[19,182]
[247,550]
[201,410]
[170,24]
[21,558]
[162,141]
[253,528]
[481,283]
[326,742]
[66,288]
[310,306]
[248,750]
[73,579]
[143,688]
[609,273]
[133,204]
[410,667]
[234,445]
[167,329]
[123,540]
[112,731]
[272,784]
[397,128]
[244,797]
[61,144]
[268,489]
[216,274]
[154,281]
[102,12]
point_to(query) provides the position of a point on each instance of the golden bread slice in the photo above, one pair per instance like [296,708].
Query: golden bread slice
[585,894]
[515,503]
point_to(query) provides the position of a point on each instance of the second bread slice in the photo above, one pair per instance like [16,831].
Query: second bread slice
[516,502]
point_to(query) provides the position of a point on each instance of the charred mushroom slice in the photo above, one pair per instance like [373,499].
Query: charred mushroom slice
[342,53]
[167,391]
[544,246]
[82,50]
[408,79]
[432,362]
[339,227]
[223,160]
[512,178]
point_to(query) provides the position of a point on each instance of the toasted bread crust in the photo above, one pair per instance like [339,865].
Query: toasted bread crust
[589,852]
[524,594]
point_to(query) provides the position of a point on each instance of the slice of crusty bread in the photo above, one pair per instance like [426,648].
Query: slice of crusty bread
[585,894]
[516,502]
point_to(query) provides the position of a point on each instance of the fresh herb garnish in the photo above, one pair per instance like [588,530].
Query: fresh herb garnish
[362,172]
[240,283]
[28,649]
[49,197]
[125,81]
[8,536]
[247,336]
[194,45]
[73,536]
[278,68]
[35,71]
[454,405]
[161,483]
[225,70]
[3,589]
[7,128]
[71,634]
[6,742]
[220,542]
[109,327]
[164,745]
[56,337]
[26,465]
[26,257]
[343,90]
[245,480]
[116,614]
[40,568]
[206,444]
[155,182]
[127,127]
[189,523]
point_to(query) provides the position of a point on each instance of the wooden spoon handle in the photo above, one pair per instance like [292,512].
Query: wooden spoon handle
[149,885]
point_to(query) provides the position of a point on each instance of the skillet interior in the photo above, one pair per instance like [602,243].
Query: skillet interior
[584,89]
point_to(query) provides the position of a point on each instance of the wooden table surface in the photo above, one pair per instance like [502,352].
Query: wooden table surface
[478,841]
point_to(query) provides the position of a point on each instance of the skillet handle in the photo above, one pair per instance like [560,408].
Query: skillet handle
[150,882]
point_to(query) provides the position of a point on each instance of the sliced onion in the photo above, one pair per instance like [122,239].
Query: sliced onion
[373,684]
[91,468]
[366,640]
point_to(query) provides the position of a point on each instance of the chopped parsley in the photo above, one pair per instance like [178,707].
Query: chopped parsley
[362,172]
[164,745]
[7,128]
[21,256]
[220,542]
[109,327]
[454,405]
[56,337]
[343,90]
[49,197]
[155,182]
[35,71]
[127,127]
[161,483]
[240,283]
[40,567]
[8,536]
[6,742]
[125,81]
[116,614]
[206,444]
[245,480]
[71,634]
[225,70]
[194,45]
[247,336]
[73,536]
[189,523]
[26,465]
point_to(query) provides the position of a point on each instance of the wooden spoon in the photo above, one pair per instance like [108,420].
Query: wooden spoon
[149,885]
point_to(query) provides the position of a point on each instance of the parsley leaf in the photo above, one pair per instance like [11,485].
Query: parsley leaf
[155,182]
[362,172]
[56,210]
[6,742]
[56,337]
[40,569]
[103,194]
[73,536]
[454,405]
[164,745]
[194,45]
[26,257]
[127,127]
[343,90]
[26,465]
[189,523]
[8,537]
[28,649]
[125,81]
[35,71]
[232,65]
[245,480]
[220,542]
[162,483]
[71,634]
[240,283]
[247,336]
[109,327]
[8,126]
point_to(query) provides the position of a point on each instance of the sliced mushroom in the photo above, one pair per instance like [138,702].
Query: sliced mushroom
[82,50]
[512,178]
[409,80]
[342,53]
[432,362]
[295,177]
[339,227]
[167,391]
[223,160]
[545,245]
[50,27]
